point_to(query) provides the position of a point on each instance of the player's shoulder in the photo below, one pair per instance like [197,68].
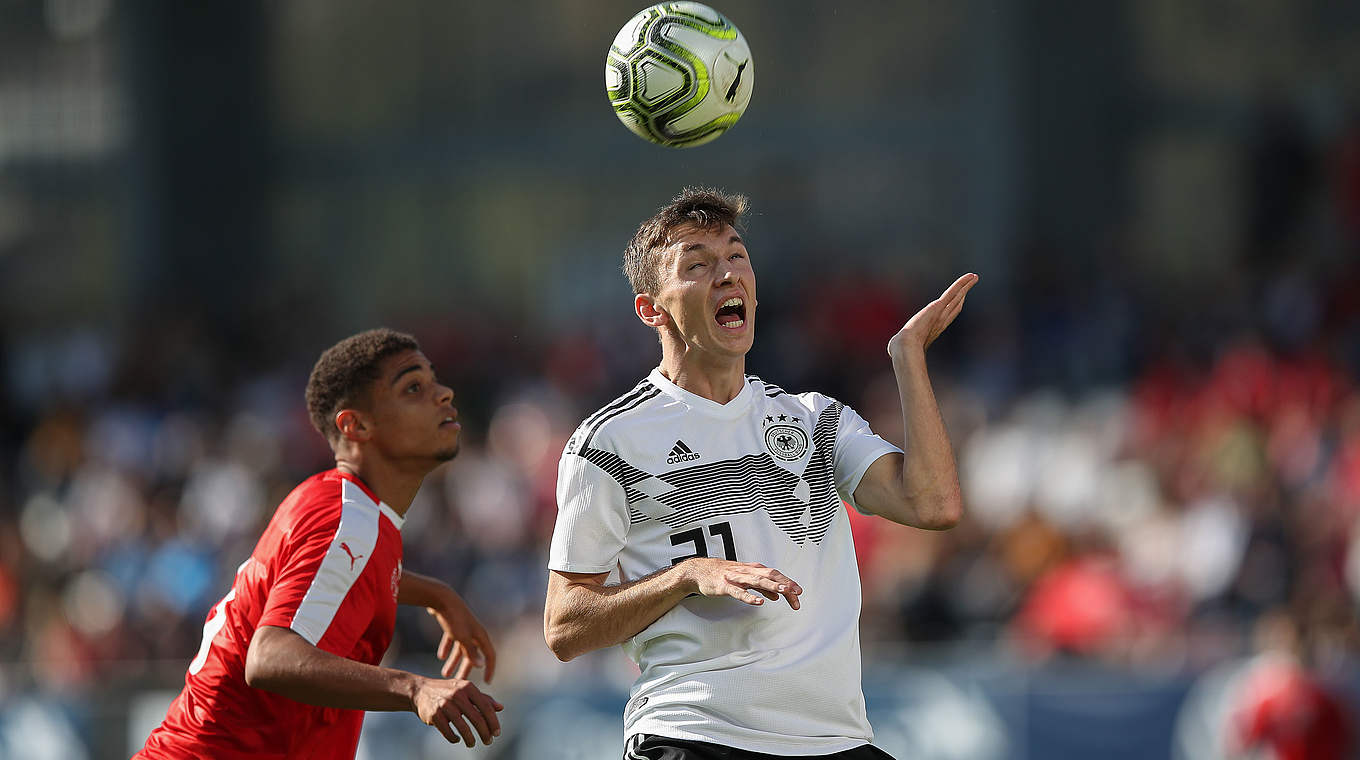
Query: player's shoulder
[811,401]
[327,485]
[607,422]
[316,499]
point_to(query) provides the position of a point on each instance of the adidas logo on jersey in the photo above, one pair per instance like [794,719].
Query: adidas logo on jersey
[681,453]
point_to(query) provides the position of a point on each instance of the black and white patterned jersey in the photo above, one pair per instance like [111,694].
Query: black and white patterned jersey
[661,475]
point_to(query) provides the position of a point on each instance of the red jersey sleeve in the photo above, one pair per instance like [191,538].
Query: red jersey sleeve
[317,588]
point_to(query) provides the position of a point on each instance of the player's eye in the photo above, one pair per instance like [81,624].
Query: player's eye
[738,256]
[695,265]
[413,388]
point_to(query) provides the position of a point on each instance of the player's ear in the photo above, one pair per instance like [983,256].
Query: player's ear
[352,425]
[649,311]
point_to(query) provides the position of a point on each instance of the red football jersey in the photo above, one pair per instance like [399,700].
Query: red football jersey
[1282,706]
[327,567]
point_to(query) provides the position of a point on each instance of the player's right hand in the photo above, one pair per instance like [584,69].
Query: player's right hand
[444,703]
[749,582]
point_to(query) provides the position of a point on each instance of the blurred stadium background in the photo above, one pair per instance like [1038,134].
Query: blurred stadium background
[1153,391]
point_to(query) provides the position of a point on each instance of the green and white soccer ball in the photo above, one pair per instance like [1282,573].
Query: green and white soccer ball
[679,74]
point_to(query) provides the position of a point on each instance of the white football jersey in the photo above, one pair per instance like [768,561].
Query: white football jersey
[661,475]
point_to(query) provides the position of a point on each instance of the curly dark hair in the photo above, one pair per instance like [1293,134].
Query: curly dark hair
[345,371]
[701,207]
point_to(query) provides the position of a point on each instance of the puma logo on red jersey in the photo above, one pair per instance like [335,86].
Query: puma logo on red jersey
[352,555]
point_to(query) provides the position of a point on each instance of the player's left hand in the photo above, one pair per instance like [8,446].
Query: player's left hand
[465,643]
[923,328]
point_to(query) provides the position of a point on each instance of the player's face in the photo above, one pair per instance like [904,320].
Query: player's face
[709,290]
[412,413]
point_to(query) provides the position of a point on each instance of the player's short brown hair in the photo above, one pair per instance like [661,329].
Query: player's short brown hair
[343,374]
[701,207]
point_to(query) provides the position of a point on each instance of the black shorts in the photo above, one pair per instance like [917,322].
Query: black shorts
[649,747]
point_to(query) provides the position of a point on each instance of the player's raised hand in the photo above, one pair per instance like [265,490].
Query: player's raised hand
[451,705]
[927,324]
[465,643]
[749,582]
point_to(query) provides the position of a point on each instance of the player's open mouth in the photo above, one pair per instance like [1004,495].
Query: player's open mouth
[731,313]
[451,421]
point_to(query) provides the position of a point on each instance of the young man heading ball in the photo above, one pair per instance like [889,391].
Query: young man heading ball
[710,492]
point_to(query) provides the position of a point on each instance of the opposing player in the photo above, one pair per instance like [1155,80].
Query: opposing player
[289,659]
[707,492]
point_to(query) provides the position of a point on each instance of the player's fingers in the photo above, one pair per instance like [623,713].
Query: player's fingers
[788,588]
[946,307]
[762,581]
[960,285]
[773,590]
[775,596]
[442,723]
[777,582]
[473,712]
[472,657]
[953,312]
[743,594]
[764,585]
[946,313]
[464,668]
[454,659]
[445,646]
[788,583]
[940,316]
[958,299]
[474,652]
[489,653]
[488,708]
[947,318]
[456,720]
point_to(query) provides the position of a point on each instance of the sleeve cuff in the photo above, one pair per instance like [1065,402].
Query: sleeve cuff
[861,467]
[578,567]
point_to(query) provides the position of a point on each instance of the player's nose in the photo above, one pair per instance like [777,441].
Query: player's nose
[444,394]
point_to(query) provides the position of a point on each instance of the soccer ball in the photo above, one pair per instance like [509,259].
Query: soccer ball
[679,74]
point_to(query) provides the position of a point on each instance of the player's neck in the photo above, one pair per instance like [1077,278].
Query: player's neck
[718,381]
[393,486]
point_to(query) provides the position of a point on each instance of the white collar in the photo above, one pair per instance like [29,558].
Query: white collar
[733,409]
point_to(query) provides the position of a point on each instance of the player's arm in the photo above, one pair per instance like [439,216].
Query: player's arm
[281,661]
[920,488]
[582,614]
[465,644]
